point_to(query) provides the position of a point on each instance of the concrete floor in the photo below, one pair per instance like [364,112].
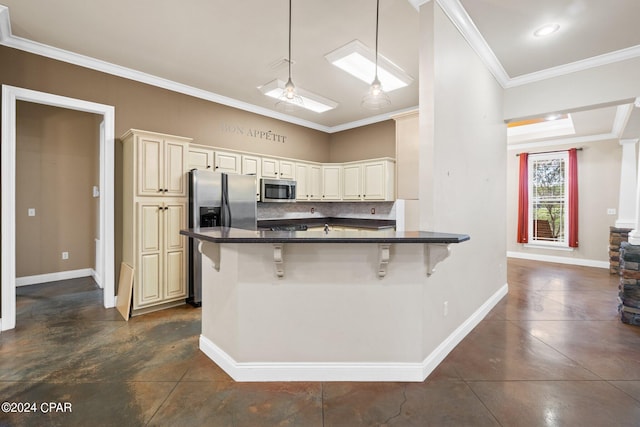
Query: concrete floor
[551,353]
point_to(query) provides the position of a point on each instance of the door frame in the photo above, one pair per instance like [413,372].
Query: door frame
[10,96]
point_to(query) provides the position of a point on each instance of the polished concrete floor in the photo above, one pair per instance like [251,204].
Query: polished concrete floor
[551,353]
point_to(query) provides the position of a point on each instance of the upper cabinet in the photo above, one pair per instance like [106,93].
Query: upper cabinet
[278,168]
[200,158]
[377,180]
[252,165]
[407,155]
[227,162]
[366,180]
[331,182]
[308,181]
[372,180]
[161,163]
[352,182]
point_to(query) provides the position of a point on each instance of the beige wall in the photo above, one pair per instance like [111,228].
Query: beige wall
[145,107]
[598,188]
[462,167]
[56,167]
[367,142]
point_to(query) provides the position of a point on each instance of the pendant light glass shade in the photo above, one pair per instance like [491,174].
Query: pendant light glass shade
[376,98]
[289,101]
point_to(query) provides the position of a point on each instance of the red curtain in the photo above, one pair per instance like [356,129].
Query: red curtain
[573,198]
[523,200]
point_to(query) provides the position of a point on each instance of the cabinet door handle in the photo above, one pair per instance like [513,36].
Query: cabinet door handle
[208,166]
[166,208]
[159,208]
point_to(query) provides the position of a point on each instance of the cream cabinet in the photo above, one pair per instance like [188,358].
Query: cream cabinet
[352,182]
[152,243]
[200,158]
[277,168]
[377,180]
[227,162]
[308,181]
[302,181]
[161,272]
[161,162]
[315,182]
[368,180]
[331,182]
[252,165]
[270,168]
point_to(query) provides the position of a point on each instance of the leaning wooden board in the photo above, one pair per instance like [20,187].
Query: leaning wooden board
[125,289]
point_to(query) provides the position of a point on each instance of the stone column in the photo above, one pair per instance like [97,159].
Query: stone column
[629,284]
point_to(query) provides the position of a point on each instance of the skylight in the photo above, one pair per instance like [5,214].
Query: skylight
[539,128]
[358,60]
[310,101]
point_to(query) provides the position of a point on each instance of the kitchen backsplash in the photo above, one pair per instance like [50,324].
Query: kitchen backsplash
[383,210]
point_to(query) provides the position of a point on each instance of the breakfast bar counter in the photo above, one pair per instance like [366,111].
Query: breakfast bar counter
[343,305]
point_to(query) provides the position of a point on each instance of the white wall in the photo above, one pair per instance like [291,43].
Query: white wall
[462,174]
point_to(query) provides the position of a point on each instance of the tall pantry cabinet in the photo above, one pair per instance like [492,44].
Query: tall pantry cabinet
[155,198]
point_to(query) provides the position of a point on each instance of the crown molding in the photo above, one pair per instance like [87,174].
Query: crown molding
[9,40]
[5,23]
[452,8]
[585,64]
[462,21]
[372,120]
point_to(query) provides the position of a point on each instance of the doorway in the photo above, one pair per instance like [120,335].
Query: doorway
[105,247]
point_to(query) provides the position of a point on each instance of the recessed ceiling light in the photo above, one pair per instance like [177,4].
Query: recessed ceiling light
[358,60]
[310,101]
[546,30]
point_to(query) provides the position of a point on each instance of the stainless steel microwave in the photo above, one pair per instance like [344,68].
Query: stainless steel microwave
[277,190]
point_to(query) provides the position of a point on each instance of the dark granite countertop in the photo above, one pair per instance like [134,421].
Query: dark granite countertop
[376,224]
[237,235]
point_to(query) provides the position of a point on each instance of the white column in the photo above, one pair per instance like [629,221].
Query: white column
[628,175]
[634,235]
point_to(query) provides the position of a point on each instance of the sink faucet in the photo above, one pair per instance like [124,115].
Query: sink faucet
[326,228]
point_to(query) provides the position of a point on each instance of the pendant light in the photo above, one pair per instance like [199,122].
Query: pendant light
[376,98]
[289,100]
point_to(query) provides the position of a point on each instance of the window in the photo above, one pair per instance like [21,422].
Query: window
[549,200]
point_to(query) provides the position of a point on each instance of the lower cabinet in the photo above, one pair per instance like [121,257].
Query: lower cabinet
[160,276]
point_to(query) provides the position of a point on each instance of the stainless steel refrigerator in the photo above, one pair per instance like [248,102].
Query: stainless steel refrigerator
[217,200]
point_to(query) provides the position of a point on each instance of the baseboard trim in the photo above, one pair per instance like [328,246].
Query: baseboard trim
[559,259]
[300,371]
[379,372]
[437,356]
[53,277]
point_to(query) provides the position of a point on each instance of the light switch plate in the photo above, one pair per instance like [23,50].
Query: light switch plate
[611,211]
[31,212]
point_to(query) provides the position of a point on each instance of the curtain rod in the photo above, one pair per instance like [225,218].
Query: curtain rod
[555,151]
